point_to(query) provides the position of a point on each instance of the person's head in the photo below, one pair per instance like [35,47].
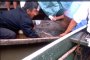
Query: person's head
[32,8]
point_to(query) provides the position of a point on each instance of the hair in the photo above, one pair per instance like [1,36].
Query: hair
[30,5]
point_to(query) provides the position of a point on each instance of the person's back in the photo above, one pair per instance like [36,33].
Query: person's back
[12,19]
[19,18]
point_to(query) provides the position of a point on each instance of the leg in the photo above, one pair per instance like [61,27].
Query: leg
[7,3]
[15,4]
[7,34]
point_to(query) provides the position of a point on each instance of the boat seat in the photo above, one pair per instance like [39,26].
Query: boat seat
[80,37]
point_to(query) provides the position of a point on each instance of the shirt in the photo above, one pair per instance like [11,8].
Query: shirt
[83,13]
[51,8]
[72,11]
[17,19]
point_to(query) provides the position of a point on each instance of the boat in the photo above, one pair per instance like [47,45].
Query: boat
[18,48]
[46,48]
[60,49]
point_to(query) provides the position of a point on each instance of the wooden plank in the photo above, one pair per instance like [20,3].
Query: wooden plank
[68,53]
[80,37]
[26,41]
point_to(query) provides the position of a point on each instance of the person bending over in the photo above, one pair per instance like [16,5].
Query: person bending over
[18,19]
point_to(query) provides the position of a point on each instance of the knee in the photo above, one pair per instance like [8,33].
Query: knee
[12,35]
[7,34]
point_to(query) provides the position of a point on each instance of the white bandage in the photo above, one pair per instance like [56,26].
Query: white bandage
[51,17]
[38,8]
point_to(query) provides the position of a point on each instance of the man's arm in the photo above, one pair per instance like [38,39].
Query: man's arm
[27,28]
[57,17]
[71,25]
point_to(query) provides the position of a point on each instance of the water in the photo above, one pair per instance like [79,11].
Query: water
[19,52]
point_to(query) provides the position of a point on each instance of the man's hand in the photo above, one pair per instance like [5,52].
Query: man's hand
[55,18]
[63,34]
[71,25]
[52,18]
